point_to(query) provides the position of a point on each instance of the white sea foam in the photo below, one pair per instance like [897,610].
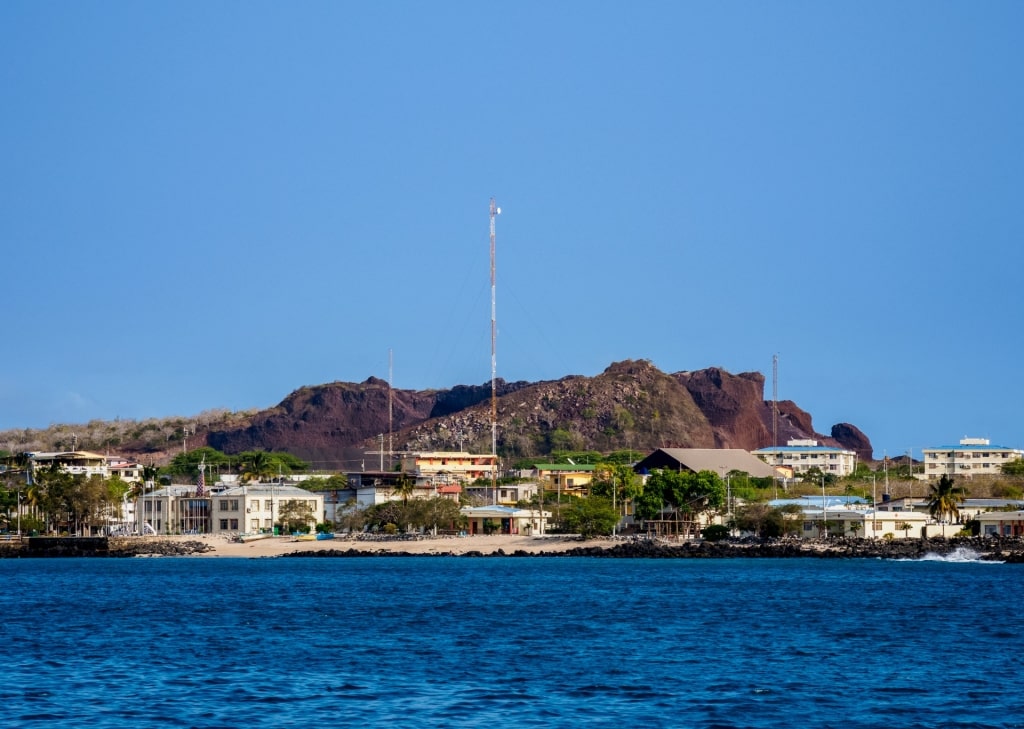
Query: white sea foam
[960,555]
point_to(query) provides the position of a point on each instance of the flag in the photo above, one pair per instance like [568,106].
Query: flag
[201,484]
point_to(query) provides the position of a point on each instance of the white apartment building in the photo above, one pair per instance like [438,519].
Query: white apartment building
[802,455]
[972,457]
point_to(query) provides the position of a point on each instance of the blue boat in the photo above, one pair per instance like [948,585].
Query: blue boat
[324,535]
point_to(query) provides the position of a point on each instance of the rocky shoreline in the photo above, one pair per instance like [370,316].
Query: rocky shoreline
[43,547]
[1009,550]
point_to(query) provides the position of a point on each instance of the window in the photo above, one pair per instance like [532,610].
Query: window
[223,504]
[234,504]
[234,524]
[223,524]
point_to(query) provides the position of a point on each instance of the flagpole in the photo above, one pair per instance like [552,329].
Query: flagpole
[200,497]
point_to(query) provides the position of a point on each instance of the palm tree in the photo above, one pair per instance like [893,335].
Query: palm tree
[404,487]
[256,465]
[945,498]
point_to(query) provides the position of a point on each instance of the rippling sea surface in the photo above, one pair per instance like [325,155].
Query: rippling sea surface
[510,641]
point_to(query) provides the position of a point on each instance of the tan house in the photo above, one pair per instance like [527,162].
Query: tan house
[1001,523]
[448,467]
[83,463]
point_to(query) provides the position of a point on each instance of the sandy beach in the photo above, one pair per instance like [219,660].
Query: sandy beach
[222,546]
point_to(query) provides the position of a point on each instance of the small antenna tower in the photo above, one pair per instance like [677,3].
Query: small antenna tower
[495,211]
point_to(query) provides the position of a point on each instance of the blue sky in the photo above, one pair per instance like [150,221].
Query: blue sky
[208,205]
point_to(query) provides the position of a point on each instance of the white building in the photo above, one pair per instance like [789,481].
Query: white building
[249,509]
[802,455]
[505,520]
[972,457]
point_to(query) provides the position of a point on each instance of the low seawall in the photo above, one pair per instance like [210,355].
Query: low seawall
[67,547]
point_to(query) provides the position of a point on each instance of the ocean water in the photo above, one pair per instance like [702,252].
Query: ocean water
[466,642]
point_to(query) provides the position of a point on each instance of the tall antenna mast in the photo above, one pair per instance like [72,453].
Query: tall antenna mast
[775,401]
[391,431]
[495,211]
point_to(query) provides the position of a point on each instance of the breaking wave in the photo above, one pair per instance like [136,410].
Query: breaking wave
[958,555]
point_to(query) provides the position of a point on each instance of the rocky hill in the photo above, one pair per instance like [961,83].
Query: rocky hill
[631,404]
[343,425]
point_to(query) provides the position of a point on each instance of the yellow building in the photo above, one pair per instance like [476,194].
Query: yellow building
[443,467]
[566,478]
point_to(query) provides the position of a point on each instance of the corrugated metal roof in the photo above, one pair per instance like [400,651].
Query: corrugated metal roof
[721,461]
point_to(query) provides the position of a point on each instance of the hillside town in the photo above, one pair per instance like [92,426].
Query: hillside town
[802,489]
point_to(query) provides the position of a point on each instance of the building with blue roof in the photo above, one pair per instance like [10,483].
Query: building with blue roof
[971,457]
[799,456]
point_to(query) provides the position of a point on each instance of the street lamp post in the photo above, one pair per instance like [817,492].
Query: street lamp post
[824,508]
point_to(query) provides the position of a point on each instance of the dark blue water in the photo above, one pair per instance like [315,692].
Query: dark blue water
[519,642]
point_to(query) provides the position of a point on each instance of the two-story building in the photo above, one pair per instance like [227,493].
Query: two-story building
[971,457]
[445,467]
[801,455]
[84,463]
[129,471]
[247,508]
[570,479]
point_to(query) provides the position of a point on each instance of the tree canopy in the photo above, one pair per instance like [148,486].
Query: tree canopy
[1014,467]
[590,517]
[682,492]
